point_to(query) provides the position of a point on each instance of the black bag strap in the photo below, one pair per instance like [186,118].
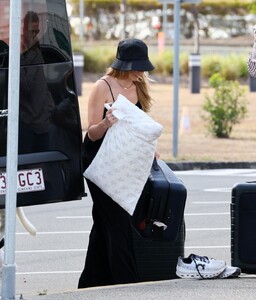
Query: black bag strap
[109,89]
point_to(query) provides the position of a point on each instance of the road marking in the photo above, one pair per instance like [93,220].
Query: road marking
[208,214]
[225,190]
[74,217]
[206,229]
[193,214]
[211,202]
[48,272]
[207,247]
[219,172]
[56,232]
[48,250]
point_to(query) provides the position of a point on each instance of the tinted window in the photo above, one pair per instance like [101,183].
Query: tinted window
[47,26]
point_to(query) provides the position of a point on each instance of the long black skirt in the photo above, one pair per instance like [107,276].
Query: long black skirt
[110,256]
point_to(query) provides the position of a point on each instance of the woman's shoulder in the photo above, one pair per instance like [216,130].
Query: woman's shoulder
[102,81]
[103,89]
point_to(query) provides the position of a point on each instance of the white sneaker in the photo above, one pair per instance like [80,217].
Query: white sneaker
[230,272]
[202,267]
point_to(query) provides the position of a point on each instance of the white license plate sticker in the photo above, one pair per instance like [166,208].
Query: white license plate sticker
[27,181]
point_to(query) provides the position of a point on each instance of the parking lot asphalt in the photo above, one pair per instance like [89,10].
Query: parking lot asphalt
[242,287]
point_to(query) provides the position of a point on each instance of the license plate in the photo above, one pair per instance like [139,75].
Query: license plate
[27,181]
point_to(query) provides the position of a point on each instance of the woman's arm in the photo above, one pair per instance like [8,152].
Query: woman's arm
[97,126]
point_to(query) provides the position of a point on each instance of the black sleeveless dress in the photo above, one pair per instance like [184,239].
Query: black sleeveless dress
[110,256]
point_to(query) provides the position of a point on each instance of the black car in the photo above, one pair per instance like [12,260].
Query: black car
[50,135]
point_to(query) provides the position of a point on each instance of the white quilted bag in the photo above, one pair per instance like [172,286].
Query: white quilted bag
[122,164]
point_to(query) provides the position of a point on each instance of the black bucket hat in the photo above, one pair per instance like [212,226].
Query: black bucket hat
[132,55]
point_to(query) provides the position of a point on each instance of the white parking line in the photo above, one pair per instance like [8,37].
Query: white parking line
[219,190]
[206,229]
[207,247]
[56,232]
[207,214]
[48,272]
[74,217]
[53,250]
[219,172]
[211,202]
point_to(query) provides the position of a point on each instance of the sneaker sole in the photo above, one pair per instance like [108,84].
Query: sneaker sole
[233,274]
[196,274]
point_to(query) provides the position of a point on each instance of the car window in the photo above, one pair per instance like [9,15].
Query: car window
[44,27]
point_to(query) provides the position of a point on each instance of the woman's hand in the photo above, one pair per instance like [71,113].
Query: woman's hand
[96,131]
[157,155]
[110,119]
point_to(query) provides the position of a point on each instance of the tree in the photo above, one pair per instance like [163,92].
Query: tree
[194,12]
[206,7]
[225,108]
[123,6]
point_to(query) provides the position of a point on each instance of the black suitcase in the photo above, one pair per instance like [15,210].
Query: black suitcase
[158,222]
[243,225]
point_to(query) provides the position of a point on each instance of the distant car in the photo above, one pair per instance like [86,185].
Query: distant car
[216,33]
[50,135]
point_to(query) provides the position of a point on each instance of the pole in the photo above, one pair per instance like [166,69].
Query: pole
[81,12]
[176,76]
[9,268]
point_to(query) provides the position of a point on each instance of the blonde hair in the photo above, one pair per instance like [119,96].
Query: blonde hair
[142,86]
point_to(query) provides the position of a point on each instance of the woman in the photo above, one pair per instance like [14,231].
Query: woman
[251,63]
[110,256]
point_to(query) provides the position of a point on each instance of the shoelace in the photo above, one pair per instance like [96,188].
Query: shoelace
[204,259]
[201,258]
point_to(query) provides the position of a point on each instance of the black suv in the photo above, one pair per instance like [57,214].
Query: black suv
[50,135]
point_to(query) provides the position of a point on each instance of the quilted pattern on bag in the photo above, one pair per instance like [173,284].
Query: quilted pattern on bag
[123,162]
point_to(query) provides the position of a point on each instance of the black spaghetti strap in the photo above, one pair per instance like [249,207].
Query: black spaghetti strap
[109,89]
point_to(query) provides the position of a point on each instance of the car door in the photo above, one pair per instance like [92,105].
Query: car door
[50,135]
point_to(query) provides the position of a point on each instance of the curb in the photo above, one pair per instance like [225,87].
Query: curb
[185,166]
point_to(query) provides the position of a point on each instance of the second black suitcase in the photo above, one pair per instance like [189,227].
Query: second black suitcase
[157,259]
[243,226]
